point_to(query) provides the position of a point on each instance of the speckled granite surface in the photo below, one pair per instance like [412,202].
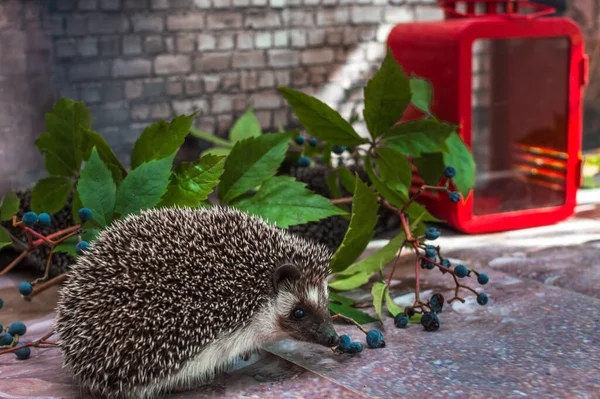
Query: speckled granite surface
[538,337]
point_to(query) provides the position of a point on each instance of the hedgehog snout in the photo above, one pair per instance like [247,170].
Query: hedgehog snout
[327,335]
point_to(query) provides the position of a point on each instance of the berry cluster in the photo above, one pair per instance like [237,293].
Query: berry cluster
[305,161]
[9,339]
[374,339]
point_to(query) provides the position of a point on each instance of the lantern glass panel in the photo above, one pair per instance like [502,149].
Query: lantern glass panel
[520,93]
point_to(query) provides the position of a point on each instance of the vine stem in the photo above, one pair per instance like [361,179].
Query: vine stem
[348,319]
[395,264]
[36,343]
[345,200]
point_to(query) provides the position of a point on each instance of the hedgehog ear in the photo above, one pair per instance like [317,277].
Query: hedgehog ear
[285,272]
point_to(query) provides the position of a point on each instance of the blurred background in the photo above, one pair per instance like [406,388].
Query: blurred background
[134,62]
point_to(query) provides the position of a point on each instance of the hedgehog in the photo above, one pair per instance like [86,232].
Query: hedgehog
[166,299]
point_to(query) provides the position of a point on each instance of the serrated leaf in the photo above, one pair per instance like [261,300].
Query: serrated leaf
[68,245]
[377,292]
[361,229]
[246,126]
[5,240]
[387,95]
[144,186]
[192,182]
[391,305]
[216,151]
[357,315]
[97,189]
[332,184]
[51,194]
[10,206]
[430,167]
[422,94]
[377,260]
[211,138]
[250,163]
[161,139]
[461,159]
[394,168]
[285,201]
[92,139]
[320,120]
[348,181]
[340,299]
[415,137]
[348,283]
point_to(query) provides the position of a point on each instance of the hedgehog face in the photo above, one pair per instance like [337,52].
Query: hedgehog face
[302,308]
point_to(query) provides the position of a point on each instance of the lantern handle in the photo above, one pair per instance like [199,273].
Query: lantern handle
[511,11]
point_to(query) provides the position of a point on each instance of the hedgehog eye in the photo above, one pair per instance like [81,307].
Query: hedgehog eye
[298,313]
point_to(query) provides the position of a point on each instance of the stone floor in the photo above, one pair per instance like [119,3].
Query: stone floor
[539,336]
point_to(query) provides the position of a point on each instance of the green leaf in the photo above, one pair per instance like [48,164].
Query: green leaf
[216,151]
[391,305]
[250,163]
[92,139]
[461,159]
[161,139]
[361,229]
[246,126]
[348,181]
[51,194]
[327,155]
[387,95]
[418,136]
[377,292]
[377,260]
[210,138]
[320,120]
[97,189]
[348,283]
[10,206]
[5,240]
[144,186]
[430,167]
[332,184]
[422,94]
[76,205]
[69,244]
[192,182]
[357,315]
[394,168]
[284,201]
[340,299]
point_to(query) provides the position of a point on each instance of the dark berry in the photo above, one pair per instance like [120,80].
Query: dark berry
[483,279]
[81,247]
[425,264]
[430,321]
[345,342]
[313,142]
[454,196]
[17,328]
[84,214]
[303,162]
[338,149]
[25,288]
[23,353]
[437,302]
[299,140]
[461,271]
[1,328]
[6,339]
[445,263]
[482,299]
[430,252]
[355,347]
[401,320]
[30,218]
[449,172]
[410,312]
[1,303]
[375,339]
[44,219]
[349,149]
[340,162]
[432,233]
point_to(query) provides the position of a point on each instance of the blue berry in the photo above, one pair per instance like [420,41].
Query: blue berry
[17,328]
[432,233]
[355,347]
[430,252]
[313,142]
[482,299]
[461,271]
[84,214]
[345,342]
[410,312]
[30,218]
[44,219]
[449,172]
[483,279]
[375,339]
[445,263]
[299,140]
[401,320]
[81,247]
[425,264]
[454,196]
[1,303]
[338,149]
[25,288]
[303,162]
[437,302]
[6,339]
[430,321]
[1,328]
[23,353]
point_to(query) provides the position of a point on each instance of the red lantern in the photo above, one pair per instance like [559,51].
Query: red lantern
[513,80]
